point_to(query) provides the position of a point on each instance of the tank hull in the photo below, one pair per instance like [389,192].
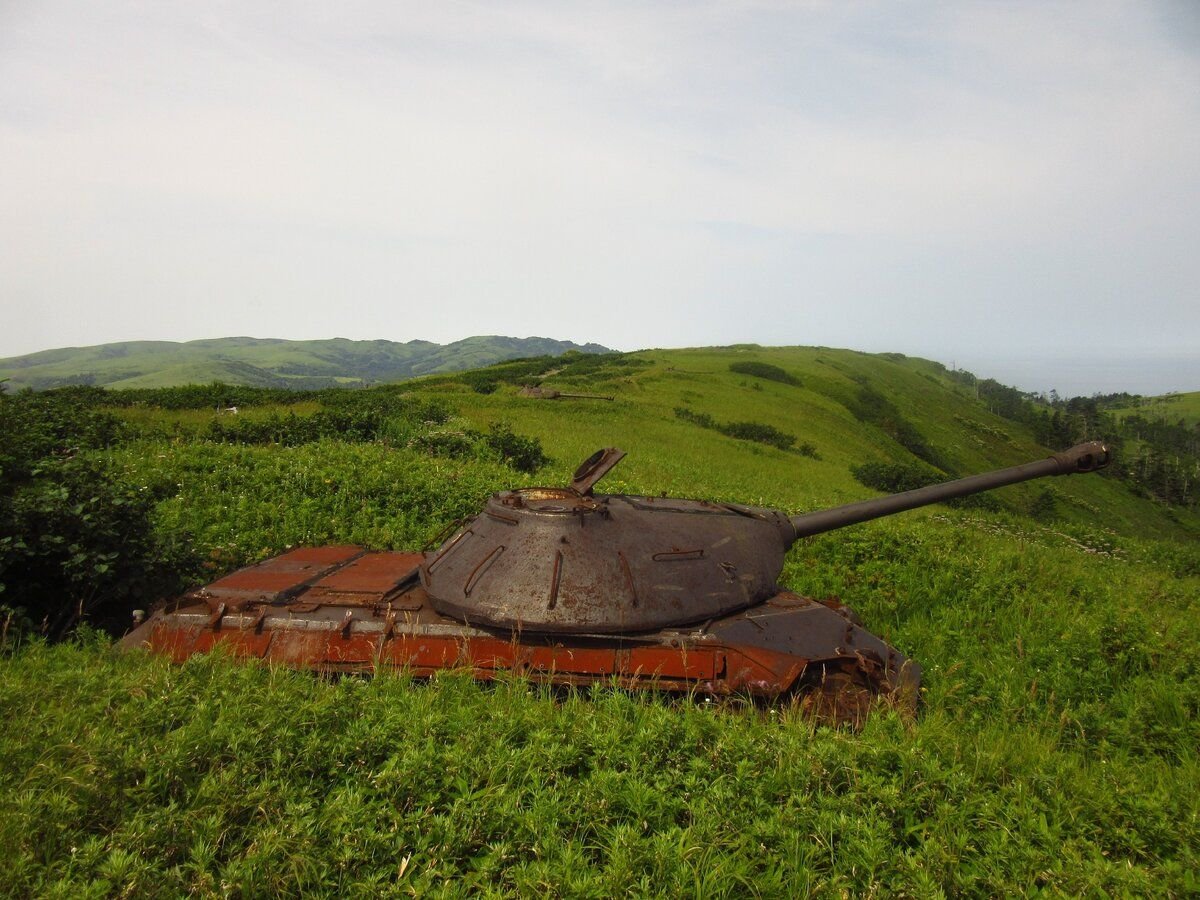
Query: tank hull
[341,609]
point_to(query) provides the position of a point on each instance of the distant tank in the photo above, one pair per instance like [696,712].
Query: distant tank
[571,587]
[535,392]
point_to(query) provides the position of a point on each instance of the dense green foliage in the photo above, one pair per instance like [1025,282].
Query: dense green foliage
[215,779]
[758,432]
[1056,747]
[871,406]
[764,370]
[81,540]
[74,544]
[893,478]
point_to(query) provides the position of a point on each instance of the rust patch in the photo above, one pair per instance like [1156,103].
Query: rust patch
[278,578]
[373,573]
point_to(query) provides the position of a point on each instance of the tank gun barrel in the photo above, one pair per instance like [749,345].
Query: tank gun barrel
[1081,458]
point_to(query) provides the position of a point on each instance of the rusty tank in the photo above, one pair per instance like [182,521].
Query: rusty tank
[537,392]
[572,587]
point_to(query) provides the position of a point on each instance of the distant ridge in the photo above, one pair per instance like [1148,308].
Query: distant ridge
[268,362]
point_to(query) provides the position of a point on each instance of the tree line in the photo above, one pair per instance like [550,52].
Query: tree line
[1156,458]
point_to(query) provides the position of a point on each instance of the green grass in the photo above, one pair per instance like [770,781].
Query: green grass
[1169,408]
[242,503]
[153,779]
[264,362]
[194,421]
[1055,749]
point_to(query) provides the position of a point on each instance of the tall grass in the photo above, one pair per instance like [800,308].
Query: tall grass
[1055,749]
[209,778]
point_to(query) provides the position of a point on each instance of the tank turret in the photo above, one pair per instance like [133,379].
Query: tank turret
[568,561]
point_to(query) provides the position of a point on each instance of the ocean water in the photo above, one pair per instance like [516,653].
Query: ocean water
[1073,375]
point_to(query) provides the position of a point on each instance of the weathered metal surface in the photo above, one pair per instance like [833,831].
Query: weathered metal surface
[565,561]
[766,651]
[279,577]
[542,393]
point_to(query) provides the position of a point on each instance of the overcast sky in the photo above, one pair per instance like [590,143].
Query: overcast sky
[979,183]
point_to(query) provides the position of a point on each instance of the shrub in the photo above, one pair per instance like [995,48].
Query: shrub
[704,420]
[482,385]
[745,431]
[892,478]
[55,423]
[75,544]
[759,433]
[895,478]
[356,422]
[522,453]
[872,407]
[766,371]
[1044,507]
[358,426]
[455,444]
[78,547]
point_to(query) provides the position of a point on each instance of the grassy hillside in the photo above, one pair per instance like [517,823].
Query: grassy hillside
[1055,749]
[1169,407]
[266,362]
[669,453]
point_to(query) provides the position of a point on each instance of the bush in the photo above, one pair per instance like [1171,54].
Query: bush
[55,423]
[766,371]
[745,431]
[206,396]
[759,433]
[482,385]
[1044,507]
[522,453]
[893,478]
[872,407]
[78,546]
[75,544]
[356,422]
[704,420]
[454,444]
[291,430]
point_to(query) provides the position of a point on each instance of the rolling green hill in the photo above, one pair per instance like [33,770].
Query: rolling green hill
[1055,750]
[1169,408]
[266,362]
[823,409]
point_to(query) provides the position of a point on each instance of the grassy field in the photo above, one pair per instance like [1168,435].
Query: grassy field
[1055,750]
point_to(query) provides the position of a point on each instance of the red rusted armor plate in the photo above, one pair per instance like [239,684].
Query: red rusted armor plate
[281,576]
[769,650]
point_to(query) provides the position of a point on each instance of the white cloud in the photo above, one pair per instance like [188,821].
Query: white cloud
[638,175]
